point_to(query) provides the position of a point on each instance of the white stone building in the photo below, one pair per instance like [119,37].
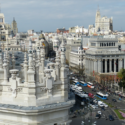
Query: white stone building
[103,56]
[103,23]
[35,95]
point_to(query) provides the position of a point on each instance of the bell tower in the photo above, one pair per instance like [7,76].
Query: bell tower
[97,19]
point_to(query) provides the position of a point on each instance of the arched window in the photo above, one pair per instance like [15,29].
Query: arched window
[112,44]
[102,44]
[107,44]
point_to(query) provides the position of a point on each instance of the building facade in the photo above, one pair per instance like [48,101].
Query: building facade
[103,57]
[38,93]
[4,32]
[103,23]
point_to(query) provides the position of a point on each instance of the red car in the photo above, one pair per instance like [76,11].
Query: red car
[91,95]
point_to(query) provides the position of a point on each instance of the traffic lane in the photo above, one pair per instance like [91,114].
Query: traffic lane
[78,121]
[119,104]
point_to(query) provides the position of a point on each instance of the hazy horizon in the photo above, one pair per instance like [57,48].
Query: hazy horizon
[48,15]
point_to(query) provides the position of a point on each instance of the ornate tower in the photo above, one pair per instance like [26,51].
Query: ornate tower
[97,20]
[14,27]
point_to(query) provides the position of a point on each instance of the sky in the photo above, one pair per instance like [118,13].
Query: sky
[48,15]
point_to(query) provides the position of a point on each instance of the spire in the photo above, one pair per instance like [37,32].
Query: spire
[13,60]
[63,53]
[25,58]
[98,8]
[13,18]
[30,45]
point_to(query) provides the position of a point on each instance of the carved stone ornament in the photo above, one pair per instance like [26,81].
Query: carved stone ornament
[44,89]
[48,73]
[14,91]
[14,73]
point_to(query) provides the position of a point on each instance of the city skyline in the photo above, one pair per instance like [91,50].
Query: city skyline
[50,15]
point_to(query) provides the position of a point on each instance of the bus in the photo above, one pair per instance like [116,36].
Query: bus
[101,95]
[75,81]
[90,85]
[81,98]
[81,83]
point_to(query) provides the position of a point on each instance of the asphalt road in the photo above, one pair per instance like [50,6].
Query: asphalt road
[81,117]
[119,104]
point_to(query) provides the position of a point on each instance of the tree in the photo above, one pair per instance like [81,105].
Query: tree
[79,70]
[121,76]
[67,62]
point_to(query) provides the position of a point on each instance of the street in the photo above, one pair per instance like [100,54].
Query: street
[83,116]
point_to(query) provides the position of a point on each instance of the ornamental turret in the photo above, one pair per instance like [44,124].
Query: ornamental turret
[31,72]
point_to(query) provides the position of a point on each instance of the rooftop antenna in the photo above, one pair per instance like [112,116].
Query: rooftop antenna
[98,7]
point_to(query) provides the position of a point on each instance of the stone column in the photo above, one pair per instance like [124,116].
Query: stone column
[99,66]
[110,65]
[14,73]
[95,65]
[13,61]
[119,64]
[57,70]
[25,68]
[49,81]
[114,65]
[105,65]
[37,73]
[102,65]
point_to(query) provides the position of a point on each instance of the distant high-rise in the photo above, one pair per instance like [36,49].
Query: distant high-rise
[14,27]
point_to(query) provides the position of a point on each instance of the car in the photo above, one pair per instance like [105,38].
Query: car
[114,100]
[105,105]
[103,108]
[99,112]
[111,118]
[92,106]
[106,118]
[100,105]
[73,116]
[95,101]
[100,101]
[86,93]
[93,90]
[98,116]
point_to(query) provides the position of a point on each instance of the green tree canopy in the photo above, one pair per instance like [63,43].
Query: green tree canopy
[121,75]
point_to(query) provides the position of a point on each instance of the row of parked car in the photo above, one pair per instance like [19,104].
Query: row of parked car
[97,103]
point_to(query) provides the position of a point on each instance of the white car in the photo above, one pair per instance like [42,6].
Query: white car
[95,101]
[105,105]
[100,105]
[92,106]
[99,112]
[100,102]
